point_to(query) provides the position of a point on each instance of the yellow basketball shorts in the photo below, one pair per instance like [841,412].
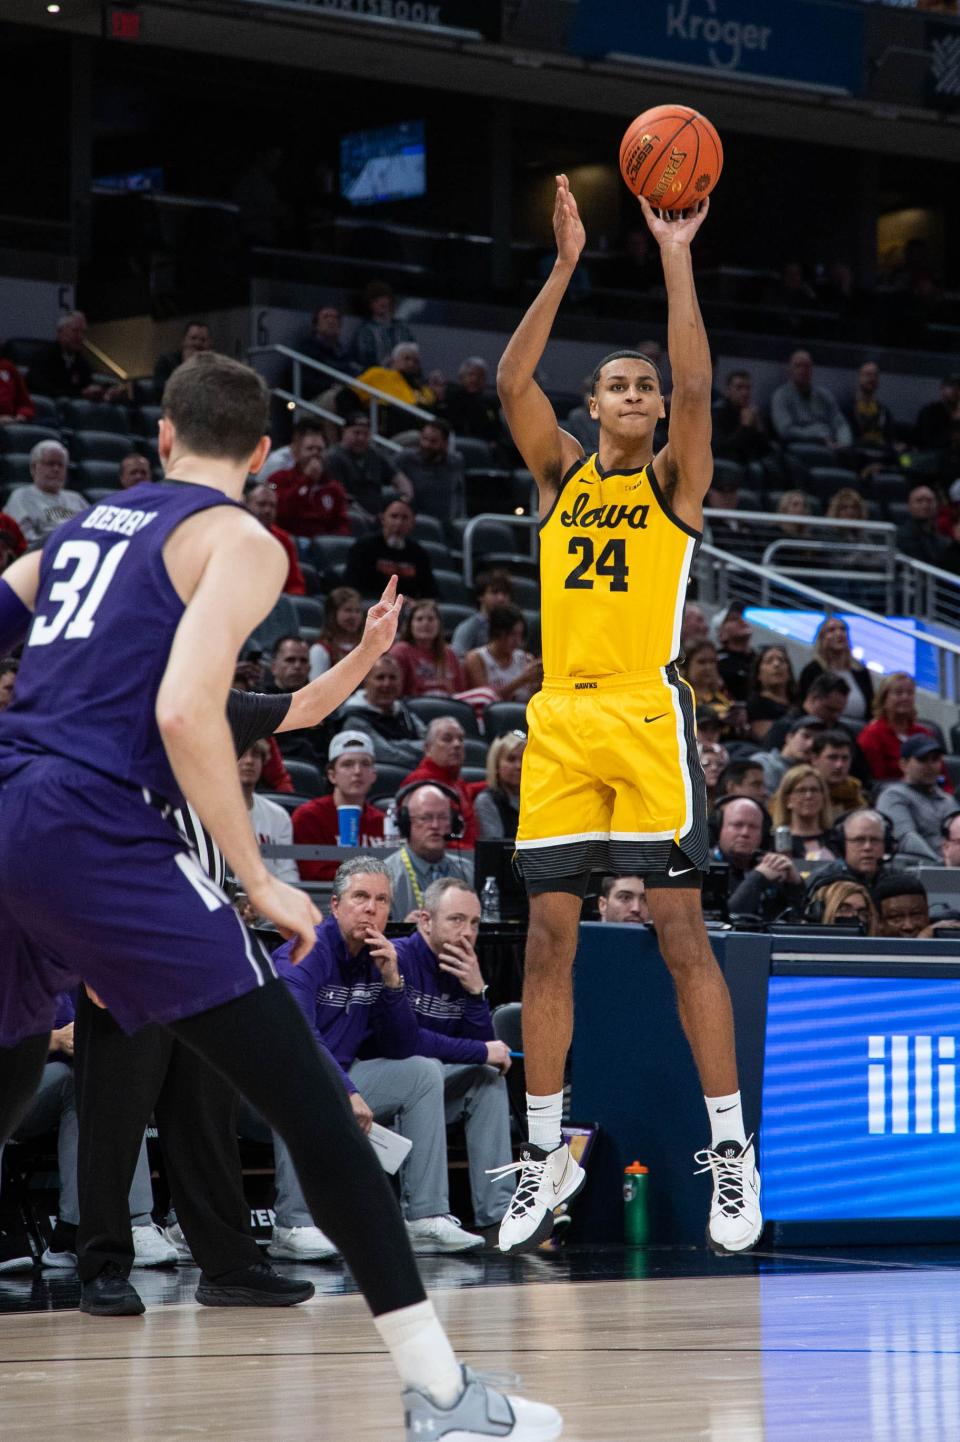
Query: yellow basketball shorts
[611,779]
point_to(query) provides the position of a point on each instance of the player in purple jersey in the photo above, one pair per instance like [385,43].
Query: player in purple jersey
[139,611]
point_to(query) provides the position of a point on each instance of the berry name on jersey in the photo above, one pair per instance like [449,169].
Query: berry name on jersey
[117,519]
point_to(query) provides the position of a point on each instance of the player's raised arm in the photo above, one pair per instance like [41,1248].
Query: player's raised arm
[685,467]
[547,449]
[18,592]
[237,586]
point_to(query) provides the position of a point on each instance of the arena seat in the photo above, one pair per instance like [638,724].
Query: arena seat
[951,764]
[887,486]
[282,621]
[328,551]
[23,350]
[389,778]
[429,707]
[147,418]
[451,614]
[22,437]
[729,473]
[145,391]
[45,411]
[311,578]
[99,446]
[493,490]
[94,494]
[101,475]
[810,454]
[438,552]
[524,566]
[826,481]
[452,587]
[955,740]
[309,612]
[80,415]
[473,774]
[426,528]
[15,471]
[475,454]
[504,716]
[307,779]
[526,593]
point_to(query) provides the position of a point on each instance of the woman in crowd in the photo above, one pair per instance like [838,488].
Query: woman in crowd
[430,667]
[772,678]
[848,901]
[894,719]
[343,627]
[713,759]
[802,802]
[503,664]
[831,652]
[700,670]
[497,807]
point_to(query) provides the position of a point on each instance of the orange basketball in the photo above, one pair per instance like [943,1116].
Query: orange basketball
[672,156]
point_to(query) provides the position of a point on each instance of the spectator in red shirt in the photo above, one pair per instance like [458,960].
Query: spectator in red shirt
[430,666]
[442,761]
[13,542]
[895,718]
[309,503]
[15,402]
[261,501]
[351,772]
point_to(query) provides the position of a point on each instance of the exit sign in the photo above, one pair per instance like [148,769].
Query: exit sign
[122,22]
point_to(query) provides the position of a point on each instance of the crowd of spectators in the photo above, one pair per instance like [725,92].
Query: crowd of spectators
[816,757]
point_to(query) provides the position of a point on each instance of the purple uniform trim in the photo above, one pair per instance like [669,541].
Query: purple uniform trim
[14,618]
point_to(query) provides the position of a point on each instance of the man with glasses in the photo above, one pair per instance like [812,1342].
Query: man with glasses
[426,819]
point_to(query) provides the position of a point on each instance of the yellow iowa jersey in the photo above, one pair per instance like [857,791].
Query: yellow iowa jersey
[614,563]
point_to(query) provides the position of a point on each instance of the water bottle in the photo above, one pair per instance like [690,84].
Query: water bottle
[636,1224]
[391,830]
[490,900]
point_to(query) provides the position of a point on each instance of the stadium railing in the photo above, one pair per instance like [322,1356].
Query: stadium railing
[377,397]
[725,578]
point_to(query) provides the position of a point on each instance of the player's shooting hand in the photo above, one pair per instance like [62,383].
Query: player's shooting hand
[362,1113]
[567,225]
[674,227]
[459,959]
[291,911]
[380,627]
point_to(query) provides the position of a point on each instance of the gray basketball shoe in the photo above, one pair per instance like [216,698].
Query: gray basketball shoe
[480,1411]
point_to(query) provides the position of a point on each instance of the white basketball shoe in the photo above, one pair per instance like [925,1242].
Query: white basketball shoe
[546,1180]
[735,1219]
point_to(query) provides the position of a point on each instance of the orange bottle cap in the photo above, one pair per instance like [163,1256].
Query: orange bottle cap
[635,1168]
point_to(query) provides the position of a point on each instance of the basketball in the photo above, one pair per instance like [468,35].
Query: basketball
[672,156]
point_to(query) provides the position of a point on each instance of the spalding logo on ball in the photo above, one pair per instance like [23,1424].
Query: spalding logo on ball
[672,156]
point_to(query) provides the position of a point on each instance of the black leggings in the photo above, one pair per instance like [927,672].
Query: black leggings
[21,1068]
[262,1045]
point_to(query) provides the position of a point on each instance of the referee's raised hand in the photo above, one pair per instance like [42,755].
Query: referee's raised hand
[380,629]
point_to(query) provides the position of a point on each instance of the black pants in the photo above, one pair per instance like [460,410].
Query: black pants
[21,1068]
[261,1044]
[121,1080]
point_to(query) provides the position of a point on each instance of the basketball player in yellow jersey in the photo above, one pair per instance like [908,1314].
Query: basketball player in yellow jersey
[611,779]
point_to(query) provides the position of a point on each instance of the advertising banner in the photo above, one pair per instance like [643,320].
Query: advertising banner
[798,42]
[476,16]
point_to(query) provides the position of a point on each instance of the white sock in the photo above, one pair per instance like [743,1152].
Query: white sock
[544,1115]
[421,1351]
[726,1119]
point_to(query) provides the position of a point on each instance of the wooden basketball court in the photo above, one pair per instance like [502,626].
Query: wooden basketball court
[656,1344]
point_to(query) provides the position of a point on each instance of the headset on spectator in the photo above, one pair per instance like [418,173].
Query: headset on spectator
[715,820]
[836,840]
[457,826]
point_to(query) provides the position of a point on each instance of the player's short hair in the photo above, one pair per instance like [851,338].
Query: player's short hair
[828,683]
[358,866]
[438,889]
[307,426]
[737,375]
[622,355]
[438,424]
[734,772]
[10,663]
[217,406]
